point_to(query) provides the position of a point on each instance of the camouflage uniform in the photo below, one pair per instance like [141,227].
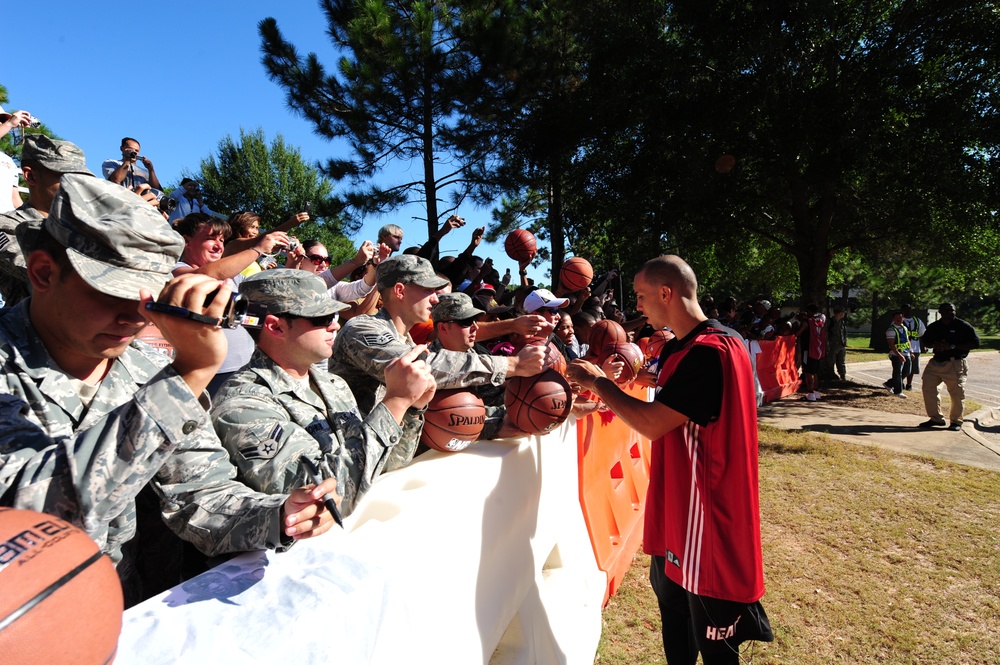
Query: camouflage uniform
[159,431]
[267,420]
[366,344]
[57,156]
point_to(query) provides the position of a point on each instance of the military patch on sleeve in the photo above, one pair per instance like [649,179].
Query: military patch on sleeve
[265,449]
[382,339]
[4,240]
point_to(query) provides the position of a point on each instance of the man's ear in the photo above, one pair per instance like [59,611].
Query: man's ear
[399,290]
[274,325]
[43,271]
[29,175]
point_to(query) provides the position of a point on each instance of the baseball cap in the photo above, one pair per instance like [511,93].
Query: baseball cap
[115,240]
[542,298]
[454,307]
[294,292]
[407,269]
[58,156]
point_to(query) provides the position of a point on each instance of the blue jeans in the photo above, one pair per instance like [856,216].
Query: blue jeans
[900,369]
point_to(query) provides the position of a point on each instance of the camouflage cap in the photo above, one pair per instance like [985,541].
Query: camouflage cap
[115,240]
[454,307]
[58,156]
[287,291]
[407,269]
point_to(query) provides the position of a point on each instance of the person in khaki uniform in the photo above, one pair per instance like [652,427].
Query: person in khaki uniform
[951,339]
[279,407]
[105,415]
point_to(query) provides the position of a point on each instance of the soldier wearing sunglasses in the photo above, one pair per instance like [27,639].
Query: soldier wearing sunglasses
[279,407]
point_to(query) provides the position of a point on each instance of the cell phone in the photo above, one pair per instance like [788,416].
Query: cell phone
[308,207]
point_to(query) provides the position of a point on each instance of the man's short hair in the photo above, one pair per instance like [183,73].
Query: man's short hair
[670,270]
[129,138]
[189,225]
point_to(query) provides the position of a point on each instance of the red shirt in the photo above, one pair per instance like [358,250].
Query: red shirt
[702,507]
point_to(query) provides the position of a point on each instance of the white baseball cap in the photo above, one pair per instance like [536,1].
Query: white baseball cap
[542,298]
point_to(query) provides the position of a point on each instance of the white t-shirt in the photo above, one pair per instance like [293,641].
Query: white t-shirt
[9,173]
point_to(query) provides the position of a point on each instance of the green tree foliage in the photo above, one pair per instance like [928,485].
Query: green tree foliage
[394,96]
[269,179]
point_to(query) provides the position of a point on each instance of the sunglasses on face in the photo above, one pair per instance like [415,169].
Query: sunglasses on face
[316,258]
[465,323]
[315,321]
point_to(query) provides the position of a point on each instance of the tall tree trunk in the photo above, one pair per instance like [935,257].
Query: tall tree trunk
[557,232]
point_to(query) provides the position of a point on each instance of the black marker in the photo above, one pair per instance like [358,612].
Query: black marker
[328,501]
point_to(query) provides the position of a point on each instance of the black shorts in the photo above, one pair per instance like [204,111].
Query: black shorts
[717,627]
[810,365]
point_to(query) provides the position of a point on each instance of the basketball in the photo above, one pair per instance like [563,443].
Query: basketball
[454,419]
[627,353]
[558,359]
[655,344]
[537,404]
[520,245]
[606,332]
[725,163]
[576,274]
[61,601]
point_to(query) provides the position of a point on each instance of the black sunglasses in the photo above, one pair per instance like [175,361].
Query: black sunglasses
[465,323]
[316,321]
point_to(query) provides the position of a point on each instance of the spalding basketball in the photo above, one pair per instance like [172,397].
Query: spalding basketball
[576,274]
[453,420]
[628,354]
[558,359]
[537,404]
[520,245]
[606,332]
[61,601]
[655,344]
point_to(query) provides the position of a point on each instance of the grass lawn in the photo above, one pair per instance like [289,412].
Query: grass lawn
[869,557]
[858,351]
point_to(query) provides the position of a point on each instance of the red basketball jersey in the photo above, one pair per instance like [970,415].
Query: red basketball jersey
[702,507]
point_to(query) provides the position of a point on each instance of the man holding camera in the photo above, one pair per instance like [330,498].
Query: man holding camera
[87,418]
[132,169]
[10,198]
[189,199]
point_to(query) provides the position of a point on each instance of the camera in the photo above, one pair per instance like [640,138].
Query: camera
[34,122]
[293,245]
[235,310]
[131,154]
[167,204]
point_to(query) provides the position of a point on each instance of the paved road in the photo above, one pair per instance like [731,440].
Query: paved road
[983,384]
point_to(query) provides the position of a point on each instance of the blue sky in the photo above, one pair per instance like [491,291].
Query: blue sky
[178,81]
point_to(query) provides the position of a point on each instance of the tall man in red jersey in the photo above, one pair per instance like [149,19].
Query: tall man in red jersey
[702,525]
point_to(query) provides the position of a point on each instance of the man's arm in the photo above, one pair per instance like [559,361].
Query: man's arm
[152,179]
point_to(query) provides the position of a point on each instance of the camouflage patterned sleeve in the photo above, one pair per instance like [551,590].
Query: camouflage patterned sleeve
[94,475]
[368,345]
[265,442]
[452,369]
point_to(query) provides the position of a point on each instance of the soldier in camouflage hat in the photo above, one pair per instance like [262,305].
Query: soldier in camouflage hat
[280,407]
[88,417]
[367,344]
[43,163]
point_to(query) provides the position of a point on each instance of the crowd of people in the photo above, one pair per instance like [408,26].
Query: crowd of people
[176,454]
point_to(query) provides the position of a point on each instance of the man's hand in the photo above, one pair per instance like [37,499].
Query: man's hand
[532,325]
[273,240]
[612,368]
[383,253]
[453,222]
[408,382]
[147,194]
[303,514]
[531,360]
[584,373]
[365,253]
[16,119]
[147,162]
[200,348]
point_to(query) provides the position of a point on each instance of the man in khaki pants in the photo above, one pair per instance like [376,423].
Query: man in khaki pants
[951,339]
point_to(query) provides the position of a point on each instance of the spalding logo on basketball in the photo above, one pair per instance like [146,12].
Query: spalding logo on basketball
[454,419]
[538,404]
[60,598]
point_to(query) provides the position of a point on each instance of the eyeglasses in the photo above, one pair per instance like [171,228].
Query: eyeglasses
[465,323]
[316,258]
[315,321]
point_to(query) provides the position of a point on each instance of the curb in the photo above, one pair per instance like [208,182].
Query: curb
[984,417]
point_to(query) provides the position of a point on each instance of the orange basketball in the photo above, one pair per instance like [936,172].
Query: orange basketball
[725,163]
[537,404]
[61,601]
[454,419]
[627,353]
[576,274]
[558,359]
[520,245]
[606,332]
[655,344]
